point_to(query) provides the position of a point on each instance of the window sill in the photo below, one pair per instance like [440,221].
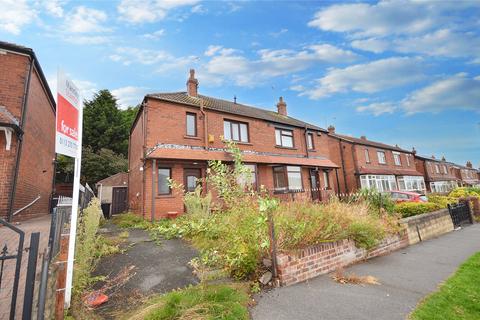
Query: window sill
[192,137]
[164,196]
[312,150]
[288,148]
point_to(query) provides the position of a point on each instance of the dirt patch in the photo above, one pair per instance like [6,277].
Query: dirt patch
[152,268]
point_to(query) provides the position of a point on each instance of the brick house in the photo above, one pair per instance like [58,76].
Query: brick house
[27,134]
[175,134]
[440,176]
[467,175]
[369,164]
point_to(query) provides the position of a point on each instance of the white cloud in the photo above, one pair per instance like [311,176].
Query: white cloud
[15,14]
[231,64]
[129,96]
[378,108]
[199,9]
[456,92]
[81,39]
[155,35]
[369,77]
[278,33]
[54,7]
[82,20]
[372,44]
[161,60]
[137,12]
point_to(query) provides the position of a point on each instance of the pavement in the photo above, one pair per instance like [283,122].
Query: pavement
[156,268]
[406,277]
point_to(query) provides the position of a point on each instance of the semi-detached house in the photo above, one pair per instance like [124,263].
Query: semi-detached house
[175,134]
[467,175]
[440,175]
[370,164]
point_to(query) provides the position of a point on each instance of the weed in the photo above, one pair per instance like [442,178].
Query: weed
[131,221]
[341,277]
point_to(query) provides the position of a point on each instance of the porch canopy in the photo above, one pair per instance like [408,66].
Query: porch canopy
[247,156]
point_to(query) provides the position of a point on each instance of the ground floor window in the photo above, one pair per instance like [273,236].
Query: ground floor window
[163,175]
[411,183]
[287,178]
[442,186]
[380,182]
[249,178]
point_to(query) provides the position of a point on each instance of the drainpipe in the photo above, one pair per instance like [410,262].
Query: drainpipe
[306,141]
[144,187]
[343,165]
[20,139]
[154,165]
[205,124]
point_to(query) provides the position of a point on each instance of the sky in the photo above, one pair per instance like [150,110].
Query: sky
[398,72]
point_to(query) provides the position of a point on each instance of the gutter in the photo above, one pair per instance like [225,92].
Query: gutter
[20,144]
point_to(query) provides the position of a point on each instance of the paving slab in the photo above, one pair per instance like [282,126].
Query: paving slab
[406,277]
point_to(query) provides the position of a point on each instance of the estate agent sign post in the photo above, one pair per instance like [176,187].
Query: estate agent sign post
[68,141]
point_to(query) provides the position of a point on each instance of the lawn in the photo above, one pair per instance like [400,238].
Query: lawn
[457,298]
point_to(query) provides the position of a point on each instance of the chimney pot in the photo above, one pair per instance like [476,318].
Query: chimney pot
[363,137]
[331,129]
[192,84]
[443,158]
[414,151]
[281,107]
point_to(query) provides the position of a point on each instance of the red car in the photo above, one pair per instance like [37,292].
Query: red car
[406,196]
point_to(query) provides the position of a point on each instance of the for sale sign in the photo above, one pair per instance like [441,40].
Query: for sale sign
[68,121]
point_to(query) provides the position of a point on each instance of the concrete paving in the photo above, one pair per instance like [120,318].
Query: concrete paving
[406,276]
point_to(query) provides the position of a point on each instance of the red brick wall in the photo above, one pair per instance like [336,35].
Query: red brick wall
[7,163]
[38,151]
[135,176]
[303,264]
[374,164]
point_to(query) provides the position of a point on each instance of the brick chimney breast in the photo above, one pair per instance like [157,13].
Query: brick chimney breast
[192,84]
[282,107]
[331,129]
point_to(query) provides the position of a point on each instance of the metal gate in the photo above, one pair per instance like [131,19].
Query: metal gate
[460,213]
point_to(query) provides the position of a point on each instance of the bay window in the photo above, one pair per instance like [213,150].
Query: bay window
[411,183]
[380,182]
[287,178]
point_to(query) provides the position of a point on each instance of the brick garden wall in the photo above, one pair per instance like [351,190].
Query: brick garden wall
[427,225]
[303,264]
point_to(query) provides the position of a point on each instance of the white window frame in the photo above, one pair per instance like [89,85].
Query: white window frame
[411,183]
[396,158]
[407,156]
[381,159]
[279,137]
[442,186]
[367,156]
[382,183]
[437,168]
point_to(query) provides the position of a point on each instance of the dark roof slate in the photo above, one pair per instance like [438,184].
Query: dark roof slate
[369,143]
[232,108]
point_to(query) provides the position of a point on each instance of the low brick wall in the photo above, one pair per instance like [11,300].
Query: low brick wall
[303,264]
[428,225]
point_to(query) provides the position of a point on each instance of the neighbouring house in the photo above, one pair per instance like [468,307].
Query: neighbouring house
[175,134]
[369,164]
[27,135]
[440,175]
[113,193]
[467,175]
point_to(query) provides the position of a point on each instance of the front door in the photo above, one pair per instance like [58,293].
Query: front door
[119,199]
[192,178]
[315,184]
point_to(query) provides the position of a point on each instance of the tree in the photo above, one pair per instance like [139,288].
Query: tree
[100,165]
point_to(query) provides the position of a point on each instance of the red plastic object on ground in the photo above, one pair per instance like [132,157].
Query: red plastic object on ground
[95,299]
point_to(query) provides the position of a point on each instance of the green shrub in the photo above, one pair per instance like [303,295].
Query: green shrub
[408,209]
[442,201]
[465,192]
[195,203]
[130,220]
[377,199]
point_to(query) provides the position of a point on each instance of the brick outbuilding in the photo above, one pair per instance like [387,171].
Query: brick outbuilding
[175,134]
[27,134]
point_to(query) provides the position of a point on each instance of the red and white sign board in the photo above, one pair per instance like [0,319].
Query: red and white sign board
[67,120]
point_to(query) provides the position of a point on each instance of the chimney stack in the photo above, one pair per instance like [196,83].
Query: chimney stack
[363,137]
[443,158]
[331,129]
[433,157]
[192,84]
[414,151]
[469,165]
[282,107]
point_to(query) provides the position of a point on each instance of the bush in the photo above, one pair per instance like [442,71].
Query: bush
[408,209]
[377,199]
[465,192]
[442,201]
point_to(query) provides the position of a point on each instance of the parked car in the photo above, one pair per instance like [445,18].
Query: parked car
[406,196]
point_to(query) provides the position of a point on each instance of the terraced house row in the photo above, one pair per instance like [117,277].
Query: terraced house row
[175,134]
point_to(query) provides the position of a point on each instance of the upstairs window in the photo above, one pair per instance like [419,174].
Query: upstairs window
[191,124]
[236,131]
[445,169]
[396,158]
[367,156]
[287,178]
[310,144]
[381,157]
[437,169]
[407,156]
[284,138]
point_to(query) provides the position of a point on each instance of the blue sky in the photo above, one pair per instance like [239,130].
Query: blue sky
[399,72]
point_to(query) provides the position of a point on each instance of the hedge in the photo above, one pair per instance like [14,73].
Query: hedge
[408,209]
